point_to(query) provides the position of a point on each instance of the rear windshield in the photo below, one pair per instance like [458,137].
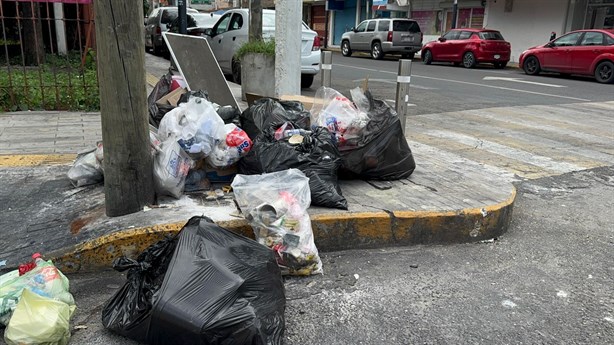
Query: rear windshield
[168,15]
[491,35]
[204,20]
[405,26]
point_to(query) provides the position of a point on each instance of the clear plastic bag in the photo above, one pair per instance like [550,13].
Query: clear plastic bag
[39,320]
[171,166]
[45,280]
[236,145]
[275,205]
[85,170]
[339,114]
[196,126]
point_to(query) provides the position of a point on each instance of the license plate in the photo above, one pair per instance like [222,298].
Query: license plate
[407,38]
[497,56]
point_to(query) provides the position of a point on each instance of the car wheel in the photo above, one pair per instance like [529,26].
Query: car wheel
[531,66]
[376,51]
[408,56]
[306,80]
[345,48]
[604,73]
[500,65]
[427,57]
[236,71]
[469,60]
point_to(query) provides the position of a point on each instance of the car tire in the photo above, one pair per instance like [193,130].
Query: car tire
[345,48]
[500,65]
[306,81]
[531,66]
[427,57]
[376,51]
[469,60]
[236,71]
[604,73]
[408,55]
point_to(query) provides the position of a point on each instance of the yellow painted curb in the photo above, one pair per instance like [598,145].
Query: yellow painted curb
[337,231]
[35,160]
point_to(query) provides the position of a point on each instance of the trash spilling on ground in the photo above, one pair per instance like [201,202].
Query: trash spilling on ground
[206,285]
[86,170]
[275,205]
[35,304]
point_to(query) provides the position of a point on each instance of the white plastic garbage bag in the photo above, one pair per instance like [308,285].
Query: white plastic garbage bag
[171,166]
[236,145]
[85,170]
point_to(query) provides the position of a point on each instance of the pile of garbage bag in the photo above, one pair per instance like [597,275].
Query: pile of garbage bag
[36,305]
[275,205]
[206,285]
[267,111]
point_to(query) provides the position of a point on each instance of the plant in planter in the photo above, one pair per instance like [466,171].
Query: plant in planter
[256,68]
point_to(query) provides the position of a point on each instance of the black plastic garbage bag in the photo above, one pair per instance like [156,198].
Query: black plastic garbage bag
[230,114]
[266,111]
[381,151]
[156,111]
[184,98]
[317,157]
[218,288]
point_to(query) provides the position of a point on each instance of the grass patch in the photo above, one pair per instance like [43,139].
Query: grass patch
[266,47]
[59,84]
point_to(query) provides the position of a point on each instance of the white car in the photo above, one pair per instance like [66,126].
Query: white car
[231,31]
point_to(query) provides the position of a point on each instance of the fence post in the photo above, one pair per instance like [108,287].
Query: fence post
[403,81]
[128,180]
[326,63]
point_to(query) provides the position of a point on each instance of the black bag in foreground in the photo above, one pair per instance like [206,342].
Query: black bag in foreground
[317,157]
[207,285]
[266,111]
[381,152]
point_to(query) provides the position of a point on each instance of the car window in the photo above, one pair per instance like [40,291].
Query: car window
[168,16]
[567,40]
[371,26]
[592,39]
[383,25]
[361,27]
[268,19]
[206,20]
[609,41]
[405,26]
[464,35]
[491,36]
[237,22]
[452,35]
[222,25]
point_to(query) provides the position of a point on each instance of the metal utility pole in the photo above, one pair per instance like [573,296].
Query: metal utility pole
[128,180]
[288,28]
[326,63]
[403,81]
[183,16]
[454,13]
[255,20]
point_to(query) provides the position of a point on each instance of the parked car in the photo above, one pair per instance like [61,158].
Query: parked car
[383,36]
[157,23]
[231,31]
[197,23]
[468,47]
[584,52]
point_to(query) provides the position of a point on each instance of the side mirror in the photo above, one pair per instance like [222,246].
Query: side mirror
[208,32]
[441,39]
[169,25]
[353,30]
[549,45]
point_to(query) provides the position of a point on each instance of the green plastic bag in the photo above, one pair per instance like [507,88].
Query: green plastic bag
[39,320]
[45,280]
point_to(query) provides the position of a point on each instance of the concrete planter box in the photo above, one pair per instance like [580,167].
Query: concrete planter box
[258,75]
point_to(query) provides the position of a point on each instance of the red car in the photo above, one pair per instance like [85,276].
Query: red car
[586,52]
[469,47]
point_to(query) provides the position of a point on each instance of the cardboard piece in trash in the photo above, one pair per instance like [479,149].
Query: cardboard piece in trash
[308,102]
[197,64]
[172,97]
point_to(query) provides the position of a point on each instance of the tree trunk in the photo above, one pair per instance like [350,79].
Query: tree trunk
[34,48]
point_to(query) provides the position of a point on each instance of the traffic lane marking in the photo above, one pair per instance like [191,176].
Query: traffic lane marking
[520,80]
[392,81]
[474,84]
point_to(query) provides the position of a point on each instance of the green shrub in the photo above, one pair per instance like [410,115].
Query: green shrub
[266,47]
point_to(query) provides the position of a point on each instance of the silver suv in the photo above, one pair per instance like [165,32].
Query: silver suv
[383,36]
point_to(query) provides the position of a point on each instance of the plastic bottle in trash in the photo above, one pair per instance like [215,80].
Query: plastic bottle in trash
[290,132]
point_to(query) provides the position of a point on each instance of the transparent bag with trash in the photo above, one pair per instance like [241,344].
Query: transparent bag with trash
[44,279]
[39,320]
[275,205]
[339,114]
[196,126]
[85,170]
[236,145]
[170,168]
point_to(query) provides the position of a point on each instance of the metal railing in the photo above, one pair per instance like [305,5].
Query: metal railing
[48,55]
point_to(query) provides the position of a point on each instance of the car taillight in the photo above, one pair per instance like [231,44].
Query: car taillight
[158,30]
[316,44]
[389,38]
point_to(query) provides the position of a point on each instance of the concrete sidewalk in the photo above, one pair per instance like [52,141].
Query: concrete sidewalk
[444,201]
